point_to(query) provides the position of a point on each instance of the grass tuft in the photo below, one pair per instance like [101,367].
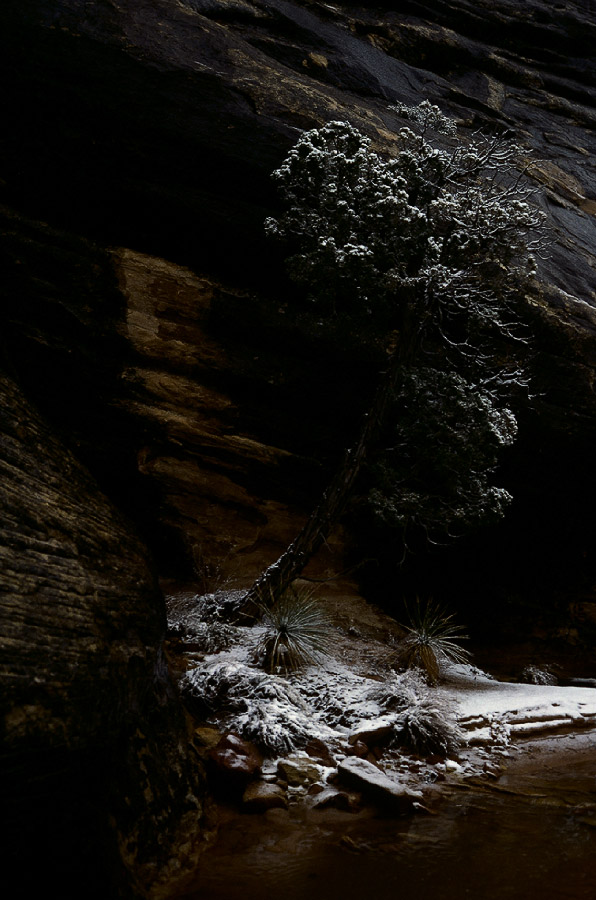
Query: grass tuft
[297,633]
[431,641]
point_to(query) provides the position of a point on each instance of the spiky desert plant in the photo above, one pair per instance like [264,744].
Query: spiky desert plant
[431,640]
[297,633]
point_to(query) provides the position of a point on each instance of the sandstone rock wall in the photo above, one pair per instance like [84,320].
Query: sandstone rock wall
[154,127]
[97,785]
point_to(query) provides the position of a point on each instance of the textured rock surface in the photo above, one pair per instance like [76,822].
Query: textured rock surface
[236,761]
[260,796]
[154,126]
[96,779]
[298,770]
[366,777]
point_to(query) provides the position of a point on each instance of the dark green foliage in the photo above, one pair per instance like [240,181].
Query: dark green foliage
[439,453]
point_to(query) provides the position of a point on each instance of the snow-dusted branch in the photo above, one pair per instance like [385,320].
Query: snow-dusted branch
[432,251]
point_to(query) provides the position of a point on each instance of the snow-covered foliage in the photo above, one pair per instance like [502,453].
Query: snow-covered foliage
[426,728]
[398,691]
[431,226]
[280,714]
[341,698]
[262,708]
[432,640]
[431,250]
[538,675]
[427,116]
[424,723]
[198,622]
[434,469]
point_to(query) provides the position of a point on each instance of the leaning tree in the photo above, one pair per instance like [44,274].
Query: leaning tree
[431,250]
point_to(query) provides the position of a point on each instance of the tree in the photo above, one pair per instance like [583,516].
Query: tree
[430,251]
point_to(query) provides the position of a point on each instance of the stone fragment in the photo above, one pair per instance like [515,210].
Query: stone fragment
[434,759]
[260,796]
[330,798]
[316,788]
[358,748]
[375,732]
[299,770]
[235,758]
[206,737]
[374,784]
[319,750]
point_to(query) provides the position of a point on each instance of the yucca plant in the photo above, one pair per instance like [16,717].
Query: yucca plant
[297,633]
[431,640]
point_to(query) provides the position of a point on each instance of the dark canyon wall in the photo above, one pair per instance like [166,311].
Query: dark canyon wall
[146,322]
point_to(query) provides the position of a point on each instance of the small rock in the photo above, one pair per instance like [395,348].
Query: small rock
[319,750]
[358,748]
[260,796]
[374,732]
[373,783]
[421,808]
[299,770]
[355,846]
[342,800]
[206,737]
[315,789]
[235,758]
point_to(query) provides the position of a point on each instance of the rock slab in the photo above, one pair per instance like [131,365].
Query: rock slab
[376,786]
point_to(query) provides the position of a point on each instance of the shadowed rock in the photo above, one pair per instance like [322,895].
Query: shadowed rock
[208,416]
[376,786]
[98,793]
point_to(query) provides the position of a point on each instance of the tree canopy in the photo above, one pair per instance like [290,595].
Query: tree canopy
[429,250]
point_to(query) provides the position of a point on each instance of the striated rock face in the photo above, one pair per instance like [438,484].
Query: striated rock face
[208,417]
[147,319]
[209,464]
[98,789]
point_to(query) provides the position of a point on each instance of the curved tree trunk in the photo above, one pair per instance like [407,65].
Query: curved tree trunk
[278,576]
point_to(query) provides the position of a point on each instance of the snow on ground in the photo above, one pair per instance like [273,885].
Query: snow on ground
[484,706]
[355,692]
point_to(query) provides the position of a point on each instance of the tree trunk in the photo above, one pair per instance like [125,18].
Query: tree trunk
[278,576]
